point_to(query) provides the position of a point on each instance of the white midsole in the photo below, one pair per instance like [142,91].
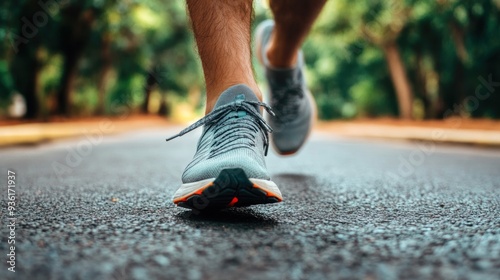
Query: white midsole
[268,186]
[190,188]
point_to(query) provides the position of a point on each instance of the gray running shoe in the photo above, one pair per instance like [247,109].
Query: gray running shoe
[289,97]
[228,168]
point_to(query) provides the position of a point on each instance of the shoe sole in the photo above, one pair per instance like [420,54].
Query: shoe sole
[232,188]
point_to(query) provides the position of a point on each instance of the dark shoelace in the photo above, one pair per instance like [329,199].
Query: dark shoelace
[245,129]
[286,102]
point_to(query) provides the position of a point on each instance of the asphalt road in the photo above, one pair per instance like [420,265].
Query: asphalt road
[353,209]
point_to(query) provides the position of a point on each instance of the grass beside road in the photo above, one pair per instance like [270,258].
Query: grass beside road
[482,132]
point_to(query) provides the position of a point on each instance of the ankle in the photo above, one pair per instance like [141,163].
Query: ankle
[214,92]
[281,58]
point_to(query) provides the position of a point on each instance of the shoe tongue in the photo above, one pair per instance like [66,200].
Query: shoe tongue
[236,93]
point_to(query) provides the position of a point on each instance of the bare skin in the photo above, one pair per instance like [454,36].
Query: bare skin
[293,21]
[222,32]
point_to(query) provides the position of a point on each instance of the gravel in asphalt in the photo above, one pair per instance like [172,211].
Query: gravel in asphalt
[353,209]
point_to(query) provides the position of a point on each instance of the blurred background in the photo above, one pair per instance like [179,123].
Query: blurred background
[426,59]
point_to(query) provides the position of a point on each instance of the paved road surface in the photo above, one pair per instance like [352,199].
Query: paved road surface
[347,213]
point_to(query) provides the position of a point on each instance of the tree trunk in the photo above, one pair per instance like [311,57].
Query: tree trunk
[459,87]
[26,65]
[76,28]
[145,105]
[458,36]
[163,110]
[399,79]
[150,83]
[30,69]
[105,70]
[64,99]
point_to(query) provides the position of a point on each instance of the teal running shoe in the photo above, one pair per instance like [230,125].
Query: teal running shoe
[228,168]
[289,97]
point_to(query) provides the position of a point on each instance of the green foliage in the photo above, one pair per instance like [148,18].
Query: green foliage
[369,100]
[445,46]
[126,42]
[343,69]
[129,47]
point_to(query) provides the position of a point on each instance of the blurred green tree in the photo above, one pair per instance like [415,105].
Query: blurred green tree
[407,58]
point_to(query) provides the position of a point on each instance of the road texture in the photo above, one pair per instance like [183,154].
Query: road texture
[353,209]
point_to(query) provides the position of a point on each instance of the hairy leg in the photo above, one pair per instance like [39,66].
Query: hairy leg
[222,32]
[293,20]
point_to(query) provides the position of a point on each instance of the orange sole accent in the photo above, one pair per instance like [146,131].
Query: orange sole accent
[197,192]
[268,193]
[288,153]
[233,202]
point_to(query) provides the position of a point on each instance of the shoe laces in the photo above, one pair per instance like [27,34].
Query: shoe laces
[228,136]
[286,102]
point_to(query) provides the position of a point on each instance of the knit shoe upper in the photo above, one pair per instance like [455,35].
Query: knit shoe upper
[234,136]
